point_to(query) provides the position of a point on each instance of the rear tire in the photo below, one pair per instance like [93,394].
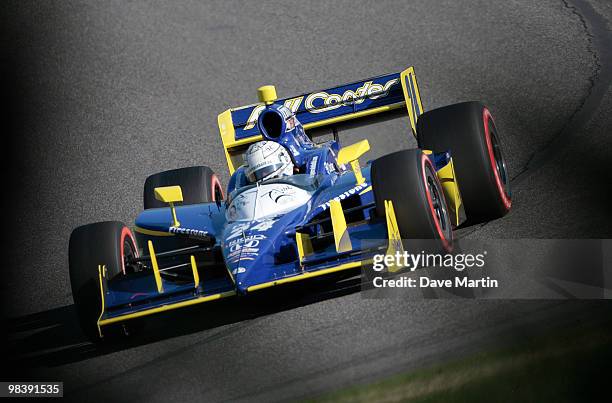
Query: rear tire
[199,185]
[105,243]
[409,180]
[467,130]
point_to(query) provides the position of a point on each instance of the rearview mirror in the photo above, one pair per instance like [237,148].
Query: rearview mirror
[170,195]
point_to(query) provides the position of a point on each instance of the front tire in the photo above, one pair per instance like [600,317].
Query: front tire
[199,185]
[467,130]
[109,243]
[409,180]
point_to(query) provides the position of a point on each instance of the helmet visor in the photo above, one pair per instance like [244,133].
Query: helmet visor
[258,174]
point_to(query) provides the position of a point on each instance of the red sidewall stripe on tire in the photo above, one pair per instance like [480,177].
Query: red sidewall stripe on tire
[214,183]
[486,115]
[126,233]
[445,242]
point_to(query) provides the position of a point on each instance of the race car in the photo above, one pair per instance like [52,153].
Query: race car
[295,207]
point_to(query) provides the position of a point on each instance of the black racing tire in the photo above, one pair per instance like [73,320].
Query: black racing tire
[107,243]
[467,130]
[199,185]
[409,180]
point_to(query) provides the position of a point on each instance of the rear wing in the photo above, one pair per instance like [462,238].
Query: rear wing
[354,101]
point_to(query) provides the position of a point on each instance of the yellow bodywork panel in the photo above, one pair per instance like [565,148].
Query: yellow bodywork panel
[169,194]
[233,148]
[156,274]
[267,94]
[357,171]
[151,232]
[366,190]
[412,96]
[341,235]
[450,188]
[101,274]
[194,269]
[353,152]
[395,239]
[303,244]
[351,155]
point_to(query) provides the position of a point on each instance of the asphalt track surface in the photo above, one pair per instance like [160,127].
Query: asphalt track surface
[103,94]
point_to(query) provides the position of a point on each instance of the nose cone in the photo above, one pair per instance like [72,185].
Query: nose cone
[249,251]
[251,269]
[250,248]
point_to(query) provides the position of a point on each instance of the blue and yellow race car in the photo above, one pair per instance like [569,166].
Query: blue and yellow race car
[295,207]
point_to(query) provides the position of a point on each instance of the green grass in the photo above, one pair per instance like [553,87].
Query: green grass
[568,366]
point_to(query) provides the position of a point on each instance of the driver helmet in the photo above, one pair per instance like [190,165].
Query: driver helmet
[267,160]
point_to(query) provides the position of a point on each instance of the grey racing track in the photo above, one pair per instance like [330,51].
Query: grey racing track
[104,94]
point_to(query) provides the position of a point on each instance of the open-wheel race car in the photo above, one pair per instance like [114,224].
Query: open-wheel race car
[294,208]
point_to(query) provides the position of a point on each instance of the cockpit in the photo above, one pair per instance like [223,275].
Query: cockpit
[270,198]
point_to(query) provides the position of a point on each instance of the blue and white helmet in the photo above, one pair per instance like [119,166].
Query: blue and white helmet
[267,160]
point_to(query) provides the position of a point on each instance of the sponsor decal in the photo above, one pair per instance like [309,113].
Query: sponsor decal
[238,229]
[276,195]
[243,254]
[322,101]
[249,242]
[343,195]
[263,226]
[187,231]
[248,238]
[258,226]
[313,166]
[245,247]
